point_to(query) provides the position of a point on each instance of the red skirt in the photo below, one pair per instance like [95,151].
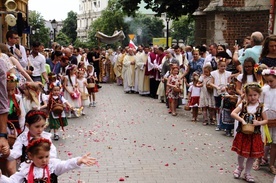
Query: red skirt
[194,102]
[248,146]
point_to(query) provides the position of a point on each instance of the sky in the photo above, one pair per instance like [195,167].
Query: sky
[54,9]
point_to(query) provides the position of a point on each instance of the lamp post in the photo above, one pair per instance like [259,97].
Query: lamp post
[34,31]
[167,34]
[54,25]
[51,38]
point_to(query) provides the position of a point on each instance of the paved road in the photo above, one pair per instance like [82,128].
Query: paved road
[134,138]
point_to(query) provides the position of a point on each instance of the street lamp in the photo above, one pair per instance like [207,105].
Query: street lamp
[167,41]
[51,38]
[54,25]
[34,31]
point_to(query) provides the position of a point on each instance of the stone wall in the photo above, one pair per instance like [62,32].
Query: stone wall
[242,24]
[224,21]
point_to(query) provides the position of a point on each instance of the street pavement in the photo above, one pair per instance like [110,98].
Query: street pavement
[135,140]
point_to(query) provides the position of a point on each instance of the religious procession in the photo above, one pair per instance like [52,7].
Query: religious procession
[43,90]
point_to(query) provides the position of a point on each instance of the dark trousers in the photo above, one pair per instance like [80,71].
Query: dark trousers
[153,87]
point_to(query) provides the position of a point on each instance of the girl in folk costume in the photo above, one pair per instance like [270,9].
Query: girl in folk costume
[35,121]
[33,98]
[41,168]
[268,97]
[16,121]
[17,113]
[82,84]
[220,78]
[70,85]
[229,101]
[206,99]
[248,142]
[91,86]
[193,96]
[57,117]
[173,89]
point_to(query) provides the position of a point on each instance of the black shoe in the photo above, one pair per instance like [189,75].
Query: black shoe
[99,86]
[56,137]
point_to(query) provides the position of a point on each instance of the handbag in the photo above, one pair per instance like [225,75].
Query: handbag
[75,95]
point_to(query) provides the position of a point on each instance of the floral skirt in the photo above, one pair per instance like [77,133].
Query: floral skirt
[248,146]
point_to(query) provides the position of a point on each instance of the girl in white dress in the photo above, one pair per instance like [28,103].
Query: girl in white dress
[219,81]
[43,169]
[70,85]
[82,84]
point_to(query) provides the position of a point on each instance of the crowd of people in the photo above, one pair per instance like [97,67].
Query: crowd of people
[233,91]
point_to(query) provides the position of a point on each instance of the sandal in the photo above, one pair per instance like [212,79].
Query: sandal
[256,164]
[213,121]
[264,162]
[237,172]
[205,123]
[174,114]
[248,178]
[272,169]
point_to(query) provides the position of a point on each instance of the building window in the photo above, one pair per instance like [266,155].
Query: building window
[99,4]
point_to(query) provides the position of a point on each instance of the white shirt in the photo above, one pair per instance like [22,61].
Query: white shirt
[249,78]
[22,139]
[38,63]
[220,79]
[195,91]
[56,166]
[23,61]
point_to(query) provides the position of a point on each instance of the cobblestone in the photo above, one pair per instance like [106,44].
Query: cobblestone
[134,138]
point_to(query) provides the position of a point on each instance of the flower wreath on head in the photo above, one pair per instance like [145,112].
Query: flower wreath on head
[271,71]
[81,69]
[36,112]
[11,77]
[54,84]
[249,85]
[37,141]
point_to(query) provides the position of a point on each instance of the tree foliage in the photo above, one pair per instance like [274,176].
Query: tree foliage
[173,8]
[110,20]
[183,29]
[63,39]
[70,26]
[150,27]
[41,33]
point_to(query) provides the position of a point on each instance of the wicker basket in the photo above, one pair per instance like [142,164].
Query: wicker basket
[248,129]
[176,90]
[271,123]
[57,108]
[91,85]
[187,108]
[84,96]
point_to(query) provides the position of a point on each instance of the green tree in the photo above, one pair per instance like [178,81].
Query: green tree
[63,39]
[110,20]
[70,26]
[183,29]
[173,8]
[41,33]
[150,27]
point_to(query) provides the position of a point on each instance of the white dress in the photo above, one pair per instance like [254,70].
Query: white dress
[82,89]
[73,102]
[268,98]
